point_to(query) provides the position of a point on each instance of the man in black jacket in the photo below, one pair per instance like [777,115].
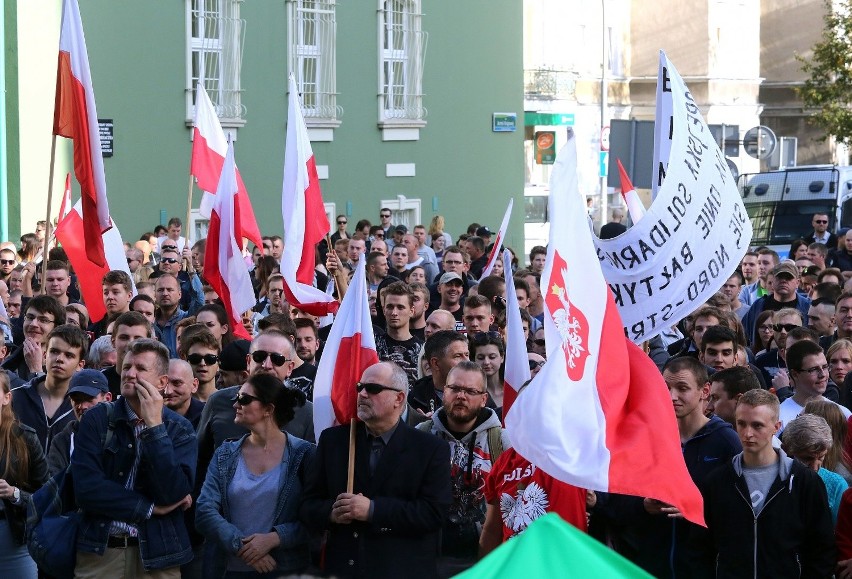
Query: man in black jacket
[767,515]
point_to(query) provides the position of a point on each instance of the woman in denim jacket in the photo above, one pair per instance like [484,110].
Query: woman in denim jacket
[247,477]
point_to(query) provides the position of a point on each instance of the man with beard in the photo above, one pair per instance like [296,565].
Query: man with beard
[476,440]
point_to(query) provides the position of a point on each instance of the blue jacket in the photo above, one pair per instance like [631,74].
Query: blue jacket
[29,409]
[165,476]
[168,331]
[212,517]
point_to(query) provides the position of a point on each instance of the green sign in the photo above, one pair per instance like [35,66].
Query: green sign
[504,122]
[532,119]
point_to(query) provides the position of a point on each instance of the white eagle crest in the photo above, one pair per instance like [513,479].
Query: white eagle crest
[530,504]
[567,326]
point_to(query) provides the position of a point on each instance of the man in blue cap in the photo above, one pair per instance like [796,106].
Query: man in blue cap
[87,388]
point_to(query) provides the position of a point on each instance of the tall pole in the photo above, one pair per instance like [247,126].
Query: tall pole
[4,184]
[604,98]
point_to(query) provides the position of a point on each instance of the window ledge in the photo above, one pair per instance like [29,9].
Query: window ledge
[401,129]
[226,123]
[319,123]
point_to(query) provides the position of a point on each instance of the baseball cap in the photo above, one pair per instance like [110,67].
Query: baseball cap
[233,356]
[786,267]
[450,276]
[401,229]
[483,231]
[89,382]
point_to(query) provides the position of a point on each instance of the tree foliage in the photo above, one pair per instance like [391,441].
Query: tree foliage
[828,89]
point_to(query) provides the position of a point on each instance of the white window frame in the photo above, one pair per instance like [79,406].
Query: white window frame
[401,43]
[330,211]
[401,209]
[221,81]
[316,19]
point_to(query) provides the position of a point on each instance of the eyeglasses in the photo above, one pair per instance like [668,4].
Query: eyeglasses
[785,327]
[823,221]
[463,390]
[260,356]
[41,319]
[208,359]
[168,260]
[534,364]
[244,399]
[342,222]
[379,235]
[373,388]
[816,370]
[7,261]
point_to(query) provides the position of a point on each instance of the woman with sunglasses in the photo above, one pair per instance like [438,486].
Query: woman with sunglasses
[488,351]
[249,504]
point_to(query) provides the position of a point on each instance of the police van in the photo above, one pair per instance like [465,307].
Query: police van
[782,203]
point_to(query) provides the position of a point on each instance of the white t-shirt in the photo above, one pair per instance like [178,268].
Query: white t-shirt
[790,409]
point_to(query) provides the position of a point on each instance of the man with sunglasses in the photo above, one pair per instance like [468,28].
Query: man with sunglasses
[385,221]
[476,440]
[820,234]
[808,369]
[191,288]
[201,350]
[271,352]
[389,525]
[784,295]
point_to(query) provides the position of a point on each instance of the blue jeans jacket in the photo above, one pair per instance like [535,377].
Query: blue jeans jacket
[212,517]
[165,476]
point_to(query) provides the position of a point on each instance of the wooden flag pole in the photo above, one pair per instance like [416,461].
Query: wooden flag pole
[350,477]
[47,219]
[188,211]
[340,277]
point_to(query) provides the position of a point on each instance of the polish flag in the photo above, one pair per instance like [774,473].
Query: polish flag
[516,366]
[631,198]
[69,232]
[208,154]
[498,241]
[75,117]
[349,350]
[66,205]
[224,268]
[305,221]
[598,415]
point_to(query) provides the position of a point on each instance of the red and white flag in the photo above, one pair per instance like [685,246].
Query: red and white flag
[69,232]
[208,154]
[305,221]
[516,367]
[498,241]
[349,350]
[630,196]
[75,117]
[66,205]
[224,268]
[598,415]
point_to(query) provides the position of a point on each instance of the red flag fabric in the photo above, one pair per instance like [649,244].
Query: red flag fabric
[224,267]
[75,117]
[208,154]
[630,196]
[516,368]
[65,206]
[305,221]
[69,232]
[349,350]
[598,415]
[498,241]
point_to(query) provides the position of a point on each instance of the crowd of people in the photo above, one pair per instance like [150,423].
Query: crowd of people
[193,452]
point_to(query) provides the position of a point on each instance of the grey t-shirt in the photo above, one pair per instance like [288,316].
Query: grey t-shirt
[759,480]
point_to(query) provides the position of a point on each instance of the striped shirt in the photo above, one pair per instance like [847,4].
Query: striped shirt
[121,528]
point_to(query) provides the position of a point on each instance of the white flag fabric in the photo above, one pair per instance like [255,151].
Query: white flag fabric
[516,369]
[663,127]
[501,236]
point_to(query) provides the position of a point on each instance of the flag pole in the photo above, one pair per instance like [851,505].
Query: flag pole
[47,219]
[350,477]
[188,209]
[340,278]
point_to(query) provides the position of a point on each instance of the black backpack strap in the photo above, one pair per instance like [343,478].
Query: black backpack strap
[110,423]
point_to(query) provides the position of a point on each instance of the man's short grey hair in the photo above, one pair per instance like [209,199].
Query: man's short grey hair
[99,347]
[398,379]
[807,433]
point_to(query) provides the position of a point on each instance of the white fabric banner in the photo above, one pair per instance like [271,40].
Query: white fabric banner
[692,237]
[663,128]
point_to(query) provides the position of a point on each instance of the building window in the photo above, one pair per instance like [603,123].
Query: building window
[215,43]
[402,49]
[312,59]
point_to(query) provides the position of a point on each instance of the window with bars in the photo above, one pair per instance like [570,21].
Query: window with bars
[402,49]
[215,47]
[312,59]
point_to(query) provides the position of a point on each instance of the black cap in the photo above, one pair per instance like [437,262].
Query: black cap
[233,356]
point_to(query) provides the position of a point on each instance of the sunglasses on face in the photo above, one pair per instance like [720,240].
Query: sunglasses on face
[342,222]
[482,337]
[244,399]
[534,364]
[259,356]
[168,260]
[7,261]
[823,221]
[372,388]
[208,359]
[785,327]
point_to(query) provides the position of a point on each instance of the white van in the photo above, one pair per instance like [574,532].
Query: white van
[781,203]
